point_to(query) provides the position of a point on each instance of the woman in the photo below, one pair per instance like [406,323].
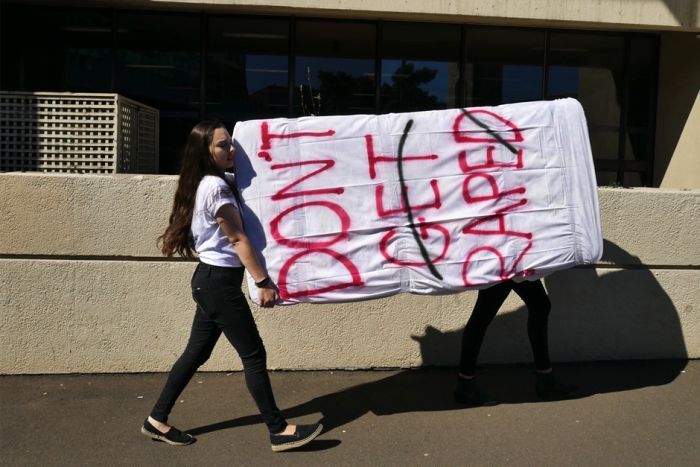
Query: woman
[487,304]
[206,219]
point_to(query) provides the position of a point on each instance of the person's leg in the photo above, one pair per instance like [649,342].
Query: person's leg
[538,308]
[232,314]
[244,337]
[487,304]
[202,340]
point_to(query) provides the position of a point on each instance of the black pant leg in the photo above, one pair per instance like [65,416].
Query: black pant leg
[203,337]
[538,308]
[487,304]
[223,301]
[245,338]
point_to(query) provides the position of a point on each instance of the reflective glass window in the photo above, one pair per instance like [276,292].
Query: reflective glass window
[56,50]
[158,64]
[635,179]
[589,67]
[247,68]
[420,67]
[640,98]
[606,178]
[334,68]
[503,65]
[155,58]
[158,60]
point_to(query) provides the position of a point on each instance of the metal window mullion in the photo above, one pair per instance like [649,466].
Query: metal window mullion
[462,82]
[623,111]
[651,126]
[545,64]
[203,51]
[378,55]
[291,64]
[113,53]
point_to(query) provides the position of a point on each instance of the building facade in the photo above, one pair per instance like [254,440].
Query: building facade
[634,65]
[85,288]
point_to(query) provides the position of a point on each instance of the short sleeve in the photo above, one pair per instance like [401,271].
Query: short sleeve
[220,195]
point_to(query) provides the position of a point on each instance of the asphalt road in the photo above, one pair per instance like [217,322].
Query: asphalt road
[626,413]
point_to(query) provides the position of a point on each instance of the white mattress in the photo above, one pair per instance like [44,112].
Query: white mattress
[494,193]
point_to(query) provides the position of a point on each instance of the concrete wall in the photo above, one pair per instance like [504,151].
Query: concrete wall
[83,289]
[655,14]
[677,161]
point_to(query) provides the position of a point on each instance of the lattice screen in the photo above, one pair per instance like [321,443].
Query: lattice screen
[76,133]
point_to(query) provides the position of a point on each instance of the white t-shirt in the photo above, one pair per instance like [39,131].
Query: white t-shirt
[210,243]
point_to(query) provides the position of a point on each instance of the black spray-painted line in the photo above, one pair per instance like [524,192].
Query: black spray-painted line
[404,195]
[490,131]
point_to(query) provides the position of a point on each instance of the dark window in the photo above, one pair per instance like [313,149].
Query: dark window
[158,64]
[46,49]
[589,68]
[639,125]
[503,65]
[420,67]
[614,78]
[156,58]
[334,70]
[606,178]
[247,68]
[635,179]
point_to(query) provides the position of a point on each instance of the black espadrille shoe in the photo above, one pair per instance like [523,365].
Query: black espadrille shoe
[304,434]
[549,388]
[173,437]
[468,392]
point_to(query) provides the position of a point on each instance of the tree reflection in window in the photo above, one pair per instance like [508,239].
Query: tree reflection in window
[407,91]
[335,60]
[420,67]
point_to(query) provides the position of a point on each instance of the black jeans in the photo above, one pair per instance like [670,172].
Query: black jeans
[487,304]
[221,306]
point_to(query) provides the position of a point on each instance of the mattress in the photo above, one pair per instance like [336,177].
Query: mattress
[345,208]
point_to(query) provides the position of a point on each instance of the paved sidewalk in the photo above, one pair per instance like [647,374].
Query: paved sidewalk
[628,413]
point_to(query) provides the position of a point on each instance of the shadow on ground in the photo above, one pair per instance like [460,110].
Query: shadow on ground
[431,390]
[643,322]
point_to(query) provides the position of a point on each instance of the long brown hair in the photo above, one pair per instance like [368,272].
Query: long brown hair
[196,163]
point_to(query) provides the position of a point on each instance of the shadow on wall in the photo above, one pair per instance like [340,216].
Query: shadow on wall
[621,315]
[617,315]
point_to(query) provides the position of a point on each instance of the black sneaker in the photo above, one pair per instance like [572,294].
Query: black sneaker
[303,435]
[173,437]
[548,387]
[468,392]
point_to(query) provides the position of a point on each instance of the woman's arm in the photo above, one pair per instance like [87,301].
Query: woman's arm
[229,219]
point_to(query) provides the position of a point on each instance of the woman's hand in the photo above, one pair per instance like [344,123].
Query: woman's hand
[267,296]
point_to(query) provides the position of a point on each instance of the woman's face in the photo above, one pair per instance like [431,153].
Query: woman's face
[221,149]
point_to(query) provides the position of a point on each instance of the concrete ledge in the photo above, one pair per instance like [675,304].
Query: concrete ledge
[83,215]
[102,216]
[649,13]
[650,226]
